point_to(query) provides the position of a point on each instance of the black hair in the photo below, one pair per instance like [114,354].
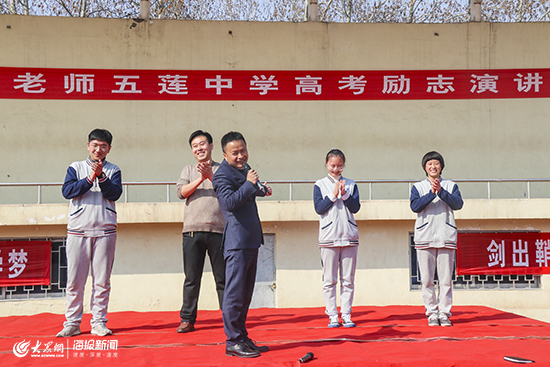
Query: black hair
[432,155]
[231,136]
[101,134]
[200,133]
[335,153]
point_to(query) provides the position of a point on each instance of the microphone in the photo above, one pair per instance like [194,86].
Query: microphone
[261,187]
[306,358]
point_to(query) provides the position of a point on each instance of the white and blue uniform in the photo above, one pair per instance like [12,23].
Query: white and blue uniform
[91,237]
[435,237]
[338,240]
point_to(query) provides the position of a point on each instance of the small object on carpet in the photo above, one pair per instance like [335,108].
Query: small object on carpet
[518,359]
[307,357]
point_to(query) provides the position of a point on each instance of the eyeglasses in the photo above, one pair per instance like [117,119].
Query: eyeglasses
[101,147]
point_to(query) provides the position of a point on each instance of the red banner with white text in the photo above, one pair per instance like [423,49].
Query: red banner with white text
[271,85]
[25,263]
[503,253]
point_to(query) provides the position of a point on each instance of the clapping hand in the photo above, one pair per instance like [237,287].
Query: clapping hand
[97,169]
[205,169]
[436,186]
[340,188]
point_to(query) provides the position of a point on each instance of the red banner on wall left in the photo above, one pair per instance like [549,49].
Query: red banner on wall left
[25,263]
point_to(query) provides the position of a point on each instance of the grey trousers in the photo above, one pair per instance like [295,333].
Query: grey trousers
[428,260]
[345,260]
[83,254]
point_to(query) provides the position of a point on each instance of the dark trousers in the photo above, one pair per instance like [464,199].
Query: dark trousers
[240,275]
[195,247]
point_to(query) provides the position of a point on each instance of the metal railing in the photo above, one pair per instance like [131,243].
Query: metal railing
[291,183]
[411,182]
[125,185]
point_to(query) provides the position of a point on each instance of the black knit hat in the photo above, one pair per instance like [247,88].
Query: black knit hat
[432,155]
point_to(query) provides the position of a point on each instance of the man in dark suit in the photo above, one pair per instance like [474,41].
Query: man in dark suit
[236,187]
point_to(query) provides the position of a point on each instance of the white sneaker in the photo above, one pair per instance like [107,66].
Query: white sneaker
[346,321]
[67,331]
[333,321]
[444,320]
[433,320]
[101,330]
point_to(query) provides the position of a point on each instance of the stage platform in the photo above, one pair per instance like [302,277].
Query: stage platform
[384,336]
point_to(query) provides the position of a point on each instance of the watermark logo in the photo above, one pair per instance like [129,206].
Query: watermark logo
[80,349]
[21,349]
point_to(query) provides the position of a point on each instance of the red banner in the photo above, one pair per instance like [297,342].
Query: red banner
[271,85]
[25,263]
[503,253]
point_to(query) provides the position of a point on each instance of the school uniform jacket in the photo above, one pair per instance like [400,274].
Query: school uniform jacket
[337,226]
[435,224]
[92,211]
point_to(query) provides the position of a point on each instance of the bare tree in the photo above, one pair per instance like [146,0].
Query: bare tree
[82,12]
[336,9]
[357,11]
[11,7]
[515,11]
[85,8]
[431,11]
[396,11]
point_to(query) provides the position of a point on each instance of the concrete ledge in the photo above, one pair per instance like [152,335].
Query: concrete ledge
[280,211]
[505,209]
[33,214]
[56,214]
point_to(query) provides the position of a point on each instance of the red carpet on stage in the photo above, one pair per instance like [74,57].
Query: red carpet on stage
[384,336]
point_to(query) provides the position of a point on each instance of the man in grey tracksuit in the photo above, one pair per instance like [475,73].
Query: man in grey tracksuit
[93,186]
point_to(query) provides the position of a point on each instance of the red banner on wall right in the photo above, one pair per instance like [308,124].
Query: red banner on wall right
[503,253]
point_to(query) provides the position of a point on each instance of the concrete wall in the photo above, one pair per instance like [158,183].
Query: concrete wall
[382,139]
[147,275]
[287,140]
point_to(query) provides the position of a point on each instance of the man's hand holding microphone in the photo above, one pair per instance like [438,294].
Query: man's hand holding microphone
[253,177]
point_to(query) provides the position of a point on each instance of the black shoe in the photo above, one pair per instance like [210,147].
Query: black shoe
[241,350]
[261,349]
